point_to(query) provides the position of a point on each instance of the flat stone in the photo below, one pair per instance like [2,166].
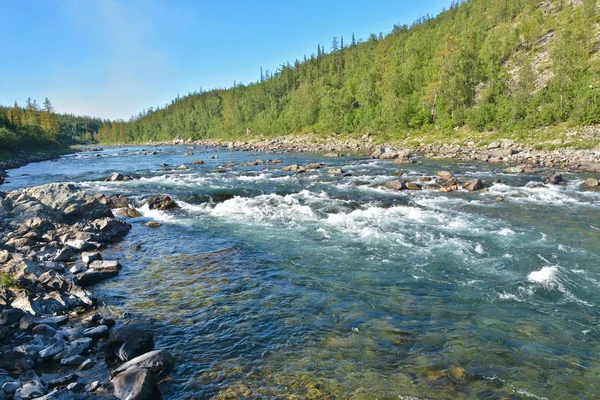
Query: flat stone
[87,364]
[135,384]
[52,350]
[89,257]
[96,332]
[157,361]
[72,361]
[11,387]
[153,224]
[80,245]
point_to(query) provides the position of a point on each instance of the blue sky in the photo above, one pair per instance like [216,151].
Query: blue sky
[113,58]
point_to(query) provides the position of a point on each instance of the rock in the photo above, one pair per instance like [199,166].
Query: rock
[89,257]
[30,390]
[158,362]
[473,185]
[513,170]
[291,168]
[15,361]
[445,175]
[591,182]
[135,384]
[67,200]
[43,330]
[554,179]
[72,361]
[10,316]
[11,387]
[412,186]
[153,224]
[493,145]
[75,269]
[53,349]
[81,245]
[91,277]
[105,265]
[335,171]
[27,302]
[313,166]
[447,189]
[128,212]
[4,256]
[116,201]
[117,177]
[127,342]
[377,153]
[64,254]
[87,364]
[395,185]
[161,202]
[76,387]
[109,229]
[96,332]
[72,334]
[63,380]
[92,386]
[58,395]
[182,167]
[197,162]
[29,322]
[75,348]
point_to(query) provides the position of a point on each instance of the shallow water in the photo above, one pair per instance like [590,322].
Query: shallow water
[276,285]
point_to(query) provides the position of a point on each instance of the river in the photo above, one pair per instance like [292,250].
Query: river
[270,284]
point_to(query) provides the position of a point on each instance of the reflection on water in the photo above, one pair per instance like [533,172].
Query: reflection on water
[275,285]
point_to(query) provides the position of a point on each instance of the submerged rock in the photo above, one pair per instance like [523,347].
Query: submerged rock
[395,185]
[116,201]
[153,224]
[554,179]
[591,182]
[473,185]
[128,212]
[118,177]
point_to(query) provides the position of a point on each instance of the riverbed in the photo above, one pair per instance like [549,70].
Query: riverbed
[274,284]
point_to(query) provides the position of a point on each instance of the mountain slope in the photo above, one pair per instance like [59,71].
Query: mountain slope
[482,65]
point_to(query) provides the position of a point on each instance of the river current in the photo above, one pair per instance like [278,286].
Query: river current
[271,284]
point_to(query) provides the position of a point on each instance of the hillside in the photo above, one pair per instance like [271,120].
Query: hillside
[508,67]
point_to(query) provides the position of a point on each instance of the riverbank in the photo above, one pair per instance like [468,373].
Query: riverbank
[24,157]
[55,339]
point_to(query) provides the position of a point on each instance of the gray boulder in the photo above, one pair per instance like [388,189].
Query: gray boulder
[127,342]
[158,362]
[135,384]
[161,202]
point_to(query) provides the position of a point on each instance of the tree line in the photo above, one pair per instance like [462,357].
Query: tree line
[482,64]
[35,127]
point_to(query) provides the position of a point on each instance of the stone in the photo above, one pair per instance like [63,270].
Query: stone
[554,179]
[117,177]
[75,269]
[126,343]
[447,189]
[63,380]
[15,361]
[153,224]
[91,277]
[80,245]
[105,265]
[75,348]
[135,384]
[72,334]
[27,302]
[395,185]
[53,349]
[92,386]
[43,330]
[58,395]
[591,182]
[128,212]
[445,175]
[72,361]
[473,185]
[87,364]
[291,168]
[30,390]
[89,257]
[197,162]
[158,362]
[64,254]
[96,332]
[513,170]
[182,167]
[161,202]
[335,171]
[493,145]
[4,256]
[412,186]
[10,316]
[116,201]
[11,387]
[76,387]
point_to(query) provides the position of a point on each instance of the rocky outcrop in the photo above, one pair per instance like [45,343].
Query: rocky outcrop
[160,202]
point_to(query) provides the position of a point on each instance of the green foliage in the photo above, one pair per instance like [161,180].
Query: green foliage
[482,65]
[6,280]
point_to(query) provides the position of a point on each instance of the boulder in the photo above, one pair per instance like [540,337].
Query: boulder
[493,145]
[105,265]
[118,177]
[473,185]
[53,349]
[74,204]
[4,256]
[116,201]
[445,175]
[182,167]
[135,384]
[128,212]
[197,162]
[89,257]
[335,171]
[591,182]
[15,361]
[513,170]
[10,316]
[92,277]
[127,342]
[161,202]
[153,224]
[395,185]
[96,332]
[554,179]
[447,189]
[412,186]
[64,254]
[158,362]
[80,245]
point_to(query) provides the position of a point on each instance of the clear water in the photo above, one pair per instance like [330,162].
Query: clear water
[268,284]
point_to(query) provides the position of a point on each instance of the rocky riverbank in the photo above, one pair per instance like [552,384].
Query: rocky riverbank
[20,159]
[503,151]
[55,343]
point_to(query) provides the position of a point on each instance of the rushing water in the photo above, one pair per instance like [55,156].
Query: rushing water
[279,285]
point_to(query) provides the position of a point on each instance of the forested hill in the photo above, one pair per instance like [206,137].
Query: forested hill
[35,128]
[483,65]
